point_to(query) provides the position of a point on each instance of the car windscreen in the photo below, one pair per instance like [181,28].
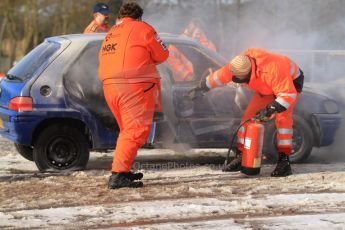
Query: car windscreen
[35,61]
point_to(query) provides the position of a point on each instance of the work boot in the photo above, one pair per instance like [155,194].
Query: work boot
[235,164]
[283,167]
[123,180]
[135,176]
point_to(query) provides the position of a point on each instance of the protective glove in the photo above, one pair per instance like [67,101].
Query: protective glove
[265,114]
[200,90]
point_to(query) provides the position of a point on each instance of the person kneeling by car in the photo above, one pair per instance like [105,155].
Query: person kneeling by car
[277,83]
[131,83]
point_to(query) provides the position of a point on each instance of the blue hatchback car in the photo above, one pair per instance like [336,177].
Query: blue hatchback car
[52,106]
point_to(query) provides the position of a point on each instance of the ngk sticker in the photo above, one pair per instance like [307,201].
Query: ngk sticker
[247,143]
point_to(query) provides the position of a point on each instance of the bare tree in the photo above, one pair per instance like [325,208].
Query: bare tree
[25,23]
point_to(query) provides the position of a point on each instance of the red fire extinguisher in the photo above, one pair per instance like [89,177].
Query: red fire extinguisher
[253,142]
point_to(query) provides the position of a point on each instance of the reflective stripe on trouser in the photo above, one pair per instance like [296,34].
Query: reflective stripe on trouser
[283,121]
[133,107]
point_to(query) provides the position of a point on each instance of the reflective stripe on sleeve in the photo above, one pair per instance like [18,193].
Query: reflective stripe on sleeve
[292,69]
[283,102]
[216,79]
[285,131]
[208,82]
[292,95]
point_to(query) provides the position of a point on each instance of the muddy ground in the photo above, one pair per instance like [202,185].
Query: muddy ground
[183,190]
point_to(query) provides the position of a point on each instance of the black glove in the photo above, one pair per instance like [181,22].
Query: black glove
[265,114]
[200,90]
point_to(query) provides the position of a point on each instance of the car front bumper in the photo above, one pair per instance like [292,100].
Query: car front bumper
[326,126]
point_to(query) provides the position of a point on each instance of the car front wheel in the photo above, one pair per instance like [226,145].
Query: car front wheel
[302,141]
[61,148]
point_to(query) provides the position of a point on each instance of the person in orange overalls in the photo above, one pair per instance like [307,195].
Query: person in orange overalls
[277,83]
[131,83]
[182,68]
[100,22]
[194,30]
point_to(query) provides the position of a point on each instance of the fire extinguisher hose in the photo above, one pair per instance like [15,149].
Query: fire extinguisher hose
[233,139]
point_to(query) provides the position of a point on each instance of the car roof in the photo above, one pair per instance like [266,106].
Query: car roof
[100,36]
[167,37]
[77,37]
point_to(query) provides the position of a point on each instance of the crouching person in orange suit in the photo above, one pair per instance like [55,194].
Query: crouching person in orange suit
[277,83]
[131,83]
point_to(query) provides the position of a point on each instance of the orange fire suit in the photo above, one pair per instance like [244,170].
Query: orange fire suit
[182,68]
[93,27]
[199,35]
[272,78]
[128,58]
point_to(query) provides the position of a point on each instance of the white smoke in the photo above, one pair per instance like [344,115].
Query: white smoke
[311,32]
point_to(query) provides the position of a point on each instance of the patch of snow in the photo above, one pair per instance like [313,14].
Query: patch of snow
[170,209]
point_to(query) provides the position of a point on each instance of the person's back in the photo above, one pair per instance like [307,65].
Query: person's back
[131,87]
[136,54]
[276,72]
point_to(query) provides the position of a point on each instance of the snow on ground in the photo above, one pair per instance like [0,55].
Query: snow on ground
[183,190]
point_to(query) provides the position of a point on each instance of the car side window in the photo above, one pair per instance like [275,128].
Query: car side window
[35,61]
[83,87]
[188,64]
[81,80]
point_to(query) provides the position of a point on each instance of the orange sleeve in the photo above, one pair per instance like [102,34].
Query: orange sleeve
[157,48]
[91,28]
[283,87]
[220,77]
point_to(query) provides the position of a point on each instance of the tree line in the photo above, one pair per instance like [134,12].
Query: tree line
[26,23]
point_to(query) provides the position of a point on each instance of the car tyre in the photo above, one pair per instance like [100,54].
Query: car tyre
[303,140]
[25,151]
[61,148]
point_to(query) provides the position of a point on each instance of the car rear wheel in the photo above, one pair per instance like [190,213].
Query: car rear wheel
[302,141]
[25,151]
[61,148]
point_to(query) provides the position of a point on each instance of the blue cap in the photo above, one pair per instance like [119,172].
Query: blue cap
[101,8]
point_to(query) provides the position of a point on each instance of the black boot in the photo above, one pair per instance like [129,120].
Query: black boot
[283,167]
[235,164]
[135,176]
[123,180]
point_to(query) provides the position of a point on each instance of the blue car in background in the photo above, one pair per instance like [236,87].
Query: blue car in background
[52,106]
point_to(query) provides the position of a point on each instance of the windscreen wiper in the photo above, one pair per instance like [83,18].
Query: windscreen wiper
[13,77]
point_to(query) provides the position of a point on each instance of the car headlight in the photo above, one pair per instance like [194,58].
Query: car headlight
[331,106]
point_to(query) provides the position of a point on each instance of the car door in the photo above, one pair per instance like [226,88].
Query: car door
[210,119]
